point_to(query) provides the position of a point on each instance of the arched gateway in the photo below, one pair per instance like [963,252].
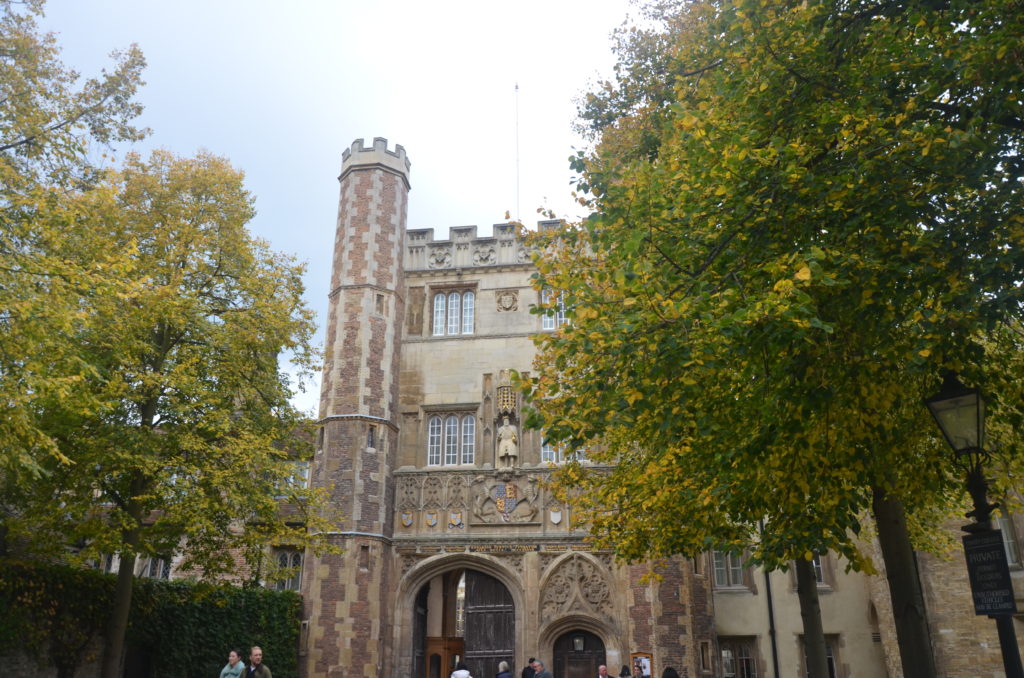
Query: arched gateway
[462,613]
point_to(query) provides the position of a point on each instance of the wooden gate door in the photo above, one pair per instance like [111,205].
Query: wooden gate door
[419,634]
[578,654]
[490,625]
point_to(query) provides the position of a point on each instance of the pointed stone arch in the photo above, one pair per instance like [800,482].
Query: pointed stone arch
[576,581]
[576,592]
[422,572]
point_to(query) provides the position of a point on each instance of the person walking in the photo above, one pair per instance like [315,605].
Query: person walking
[503,671]
[528,671]
[257,669]
[539,670]
[234,667]
[461,671]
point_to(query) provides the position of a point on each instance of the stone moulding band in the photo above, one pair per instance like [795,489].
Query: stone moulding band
[357,286]
[357,417]
[372,535]
[375,166]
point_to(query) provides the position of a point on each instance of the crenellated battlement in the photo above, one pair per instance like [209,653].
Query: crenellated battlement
[464,249]
[359,156]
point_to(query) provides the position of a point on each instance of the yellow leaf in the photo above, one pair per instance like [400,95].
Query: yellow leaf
[925,352]
[804,273]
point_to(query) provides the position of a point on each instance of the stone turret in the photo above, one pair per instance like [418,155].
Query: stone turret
[346,594]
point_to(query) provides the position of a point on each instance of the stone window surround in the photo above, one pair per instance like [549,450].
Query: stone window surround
[441,414]
[285,559]
[736,578]
[461,288]
[552,319]
[742,651]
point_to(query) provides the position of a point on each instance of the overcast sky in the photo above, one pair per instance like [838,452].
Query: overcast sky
[281,88]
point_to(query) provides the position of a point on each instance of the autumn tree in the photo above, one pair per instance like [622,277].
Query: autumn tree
[49,121]
[803,214]
[189,440]
[143,411]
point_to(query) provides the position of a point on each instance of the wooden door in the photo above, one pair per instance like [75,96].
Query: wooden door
[490,625]
[419,634]
[577,655]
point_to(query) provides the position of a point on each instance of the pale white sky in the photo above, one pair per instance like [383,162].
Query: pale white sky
[281,88]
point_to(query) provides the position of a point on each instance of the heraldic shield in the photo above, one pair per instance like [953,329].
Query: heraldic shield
[505,496]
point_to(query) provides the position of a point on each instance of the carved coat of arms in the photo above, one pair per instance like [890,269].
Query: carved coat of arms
[504,501]
[505,496]
[455,520]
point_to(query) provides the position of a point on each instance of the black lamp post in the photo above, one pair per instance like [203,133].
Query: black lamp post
[960,413]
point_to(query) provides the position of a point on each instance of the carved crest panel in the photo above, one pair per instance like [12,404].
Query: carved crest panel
[456,492]
[408,493]
[505,500]
[507,300]
[432,492]
[577,583]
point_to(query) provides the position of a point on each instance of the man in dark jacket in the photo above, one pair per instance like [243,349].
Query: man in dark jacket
[528,670]
[257,669]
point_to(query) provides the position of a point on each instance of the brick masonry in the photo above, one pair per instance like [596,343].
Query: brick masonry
[347,595]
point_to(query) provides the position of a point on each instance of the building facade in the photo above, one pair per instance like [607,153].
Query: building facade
[453,546]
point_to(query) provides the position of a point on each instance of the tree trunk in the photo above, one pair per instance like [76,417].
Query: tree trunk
[908,609]
[810,612]
[113,649]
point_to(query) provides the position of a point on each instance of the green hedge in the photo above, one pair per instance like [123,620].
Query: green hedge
[180,629]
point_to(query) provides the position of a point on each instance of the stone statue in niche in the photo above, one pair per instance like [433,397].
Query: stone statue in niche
[508,445]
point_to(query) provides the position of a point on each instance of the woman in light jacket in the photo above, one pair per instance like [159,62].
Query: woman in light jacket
[234,667]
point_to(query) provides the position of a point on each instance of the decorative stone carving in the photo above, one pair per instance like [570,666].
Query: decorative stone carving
[484,256]
[506,394]
[523,255]
[546,558]
[408,493]
[513,560]
[577,583]
[456,492]
[504,500]
[607,559]
[439,257]
[507,300]
[414,315]
[432,492]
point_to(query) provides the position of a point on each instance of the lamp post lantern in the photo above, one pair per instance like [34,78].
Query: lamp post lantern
[959,412]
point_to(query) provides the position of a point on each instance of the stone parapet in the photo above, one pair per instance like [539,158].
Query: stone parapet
[465,249]
[376,156]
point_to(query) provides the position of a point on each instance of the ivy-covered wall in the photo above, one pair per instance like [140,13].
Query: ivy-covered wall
[177,629]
